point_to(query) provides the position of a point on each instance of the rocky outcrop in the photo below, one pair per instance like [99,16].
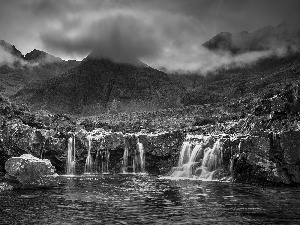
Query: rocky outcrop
[45,136]
[257,155]
[262,147]
[161,149]
[272,158]
[264,158]
[18,138]
[30,171]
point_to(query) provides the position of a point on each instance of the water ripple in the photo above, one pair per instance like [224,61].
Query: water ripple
[135,199]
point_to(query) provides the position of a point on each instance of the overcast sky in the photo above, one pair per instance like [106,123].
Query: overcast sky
[156,29]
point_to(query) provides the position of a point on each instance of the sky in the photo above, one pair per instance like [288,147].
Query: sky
[163,33]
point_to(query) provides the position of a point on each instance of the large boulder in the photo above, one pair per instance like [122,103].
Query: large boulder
[31,172]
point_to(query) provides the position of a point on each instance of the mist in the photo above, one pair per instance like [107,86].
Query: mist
[7,58]
[163,34]
[158,38]
[204,61]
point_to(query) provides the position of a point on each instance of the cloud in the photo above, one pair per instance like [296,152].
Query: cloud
[112,34]
[121,33]
[165,33]
[7,58]
[248,49]
[204,61]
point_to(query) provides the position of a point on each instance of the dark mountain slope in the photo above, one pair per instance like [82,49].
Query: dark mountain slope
[35,66]
[98,84]
[11,49]
[266,77]
[40,56]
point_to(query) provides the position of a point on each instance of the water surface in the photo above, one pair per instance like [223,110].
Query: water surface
[142,199]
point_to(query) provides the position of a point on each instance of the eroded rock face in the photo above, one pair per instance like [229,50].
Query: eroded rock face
[273,157]
[17,138]
[31,171]
[161,149]
[264,158]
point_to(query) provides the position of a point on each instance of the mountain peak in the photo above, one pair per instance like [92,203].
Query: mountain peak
[128,59]
[11,49]
[259,40]
[37,55]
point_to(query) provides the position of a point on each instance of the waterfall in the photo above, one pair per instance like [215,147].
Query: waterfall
[142,156]
[212,160]
[125,160]
[88,168]
[198,161]
[107,154]
[188,160]
[71,156]
[185,153]
[102,162]
[138,161]
[197,151]
[134,154]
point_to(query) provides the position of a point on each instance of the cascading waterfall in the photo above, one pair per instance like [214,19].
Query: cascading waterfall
[212,160]
[198,161]
[185,153]
[71,156]
[187,160]
[136,156]
[88,168]
[102,162]
[107,154]
[125,160]
[142,156]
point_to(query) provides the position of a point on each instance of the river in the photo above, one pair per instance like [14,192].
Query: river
[143,199]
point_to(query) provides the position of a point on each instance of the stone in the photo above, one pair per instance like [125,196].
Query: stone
[4,186]
[290,142]
[31,171]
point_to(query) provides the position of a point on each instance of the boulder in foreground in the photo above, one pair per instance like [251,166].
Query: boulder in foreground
[30,171]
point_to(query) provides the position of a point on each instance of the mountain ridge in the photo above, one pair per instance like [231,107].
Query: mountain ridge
[98,82]
[265,38]
[17,70]
[101,85]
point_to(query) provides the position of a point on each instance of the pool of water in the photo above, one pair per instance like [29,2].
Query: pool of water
[142,199]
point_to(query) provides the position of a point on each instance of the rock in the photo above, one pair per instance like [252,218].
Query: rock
[290,142]
[4,186]
[30,171]
[271,158]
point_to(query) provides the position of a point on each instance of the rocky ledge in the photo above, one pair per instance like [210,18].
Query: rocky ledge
[260,145]
[268,158]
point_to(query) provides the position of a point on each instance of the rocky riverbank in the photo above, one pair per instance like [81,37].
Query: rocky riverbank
[260,138]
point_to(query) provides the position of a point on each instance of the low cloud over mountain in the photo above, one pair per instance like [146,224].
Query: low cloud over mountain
[164,34]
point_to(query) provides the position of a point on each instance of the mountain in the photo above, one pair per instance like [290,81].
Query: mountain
[40,56]
[265,78]
[266,38]
[98,84]
[11,49]
[17,71]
